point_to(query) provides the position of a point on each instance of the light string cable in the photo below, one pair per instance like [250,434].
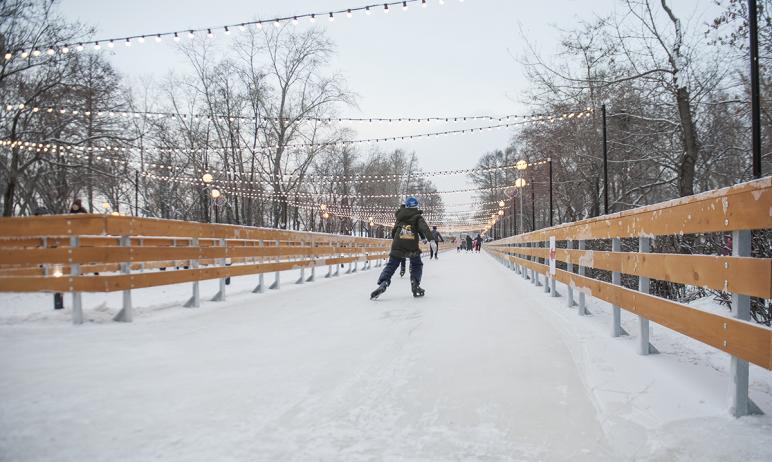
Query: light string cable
[35,51]
[68,111]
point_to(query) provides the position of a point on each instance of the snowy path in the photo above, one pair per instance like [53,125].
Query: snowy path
[474,371]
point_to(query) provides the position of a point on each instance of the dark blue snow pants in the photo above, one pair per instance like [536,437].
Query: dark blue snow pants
[416,269]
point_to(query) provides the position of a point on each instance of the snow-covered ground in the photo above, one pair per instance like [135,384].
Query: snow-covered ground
[485,367]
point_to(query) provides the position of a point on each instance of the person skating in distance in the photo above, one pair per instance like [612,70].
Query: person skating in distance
[434,247]
[409,228]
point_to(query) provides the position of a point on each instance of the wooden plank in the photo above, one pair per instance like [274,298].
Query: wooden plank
[747,276]
[740,207]
[53,225]
[745,340]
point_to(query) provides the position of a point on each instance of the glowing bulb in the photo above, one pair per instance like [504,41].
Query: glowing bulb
[348,14]
[176,37]
[141,40]
[215,193]
[259,25]
[323,207]
[313,18]
[158,38]
[227,31]
[24,54]
[65,50]
[97,46]
[242,28]
[295,21]
[386,8]
[8,56]
[191,34]
[110,44]
[209,34]
[404,6]
[501,203]
[58,271]
[332,18]
[128,43]
[50,52]
[367,11]
[80,47]
[326,215]
[501,212]
[36,53]
[423,4]
[106,205]
[521,165]
[207,178]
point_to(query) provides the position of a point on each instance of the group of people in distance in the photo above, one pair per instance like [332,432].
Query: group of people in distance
[470,244]
[409,228]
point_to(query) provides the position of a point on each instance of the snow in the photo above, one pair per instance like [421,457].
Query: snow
[485,367]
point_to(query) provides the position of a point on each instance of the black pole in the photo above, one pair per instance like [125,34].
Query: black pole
[755,103]
[533,208]
[605,162]
[514,216]
[136,193]
[550,161]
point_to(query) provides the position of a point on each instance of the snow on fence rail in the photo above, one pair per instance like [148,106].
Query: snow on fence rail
[105,253]
[737,209]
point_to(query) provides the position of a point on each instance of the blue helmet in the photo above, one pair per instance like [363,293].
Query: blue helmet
[411,202]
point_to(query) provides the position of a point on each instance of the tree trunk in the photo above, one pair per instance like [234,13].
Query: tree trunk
[10,189]
[689,161]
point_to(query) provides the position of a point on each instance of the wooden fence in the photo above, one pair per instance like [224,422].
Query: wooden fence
[737,210]
[105,253]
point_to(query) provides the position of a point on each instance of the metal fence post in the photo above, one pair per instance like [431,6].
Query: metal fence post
[277,275]
[220,296]
[570,268]
[644,345]
[616,279]
[195,299]
[740,403]
[261,277]
[534,273]
[313,265]
[582,309]
[77,299]
[126,314]
[547,280]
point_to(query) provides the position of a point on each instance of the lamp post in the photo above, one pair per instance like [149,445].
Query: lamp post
[755,101]
[520,183]
[551,213]
[605,162]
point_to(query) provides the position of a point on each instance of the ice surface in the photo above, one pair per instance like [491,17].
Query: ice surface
[485,367]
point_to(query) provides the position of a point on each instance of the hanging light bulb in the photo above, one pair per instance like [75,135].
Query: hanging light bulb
[332,18]
[501,203]
[36,52]
[277,23]
[141,39]
[386,8]
[207,178]
[209,34]
[521,165]
[501,212]
[323,207]
[326,215]
[191,35]
[50,52]
[110,44]
[158,38]
[404,6]
[348,14]
[215,193]
[295,21]
[128,42]
[312,18]
[176,37]
[227,31]
[79,47]
[424,3]
[8,56]
[367,11]
[24,54]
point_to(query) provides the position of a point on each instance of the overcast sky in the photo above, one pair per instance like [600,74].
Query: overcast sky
[455,59]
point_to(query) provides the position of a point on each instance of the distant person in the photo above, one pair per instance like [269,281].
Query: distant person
[77,207]
[478,243]
[468,243]
[434,246]
[409,227]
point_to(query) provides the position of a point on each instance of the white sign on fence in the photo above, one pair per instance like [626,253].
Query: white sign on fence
[553,270]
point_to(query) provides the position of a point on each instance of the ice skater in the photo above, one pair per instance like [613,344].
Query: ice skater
[434,247]
[409,228]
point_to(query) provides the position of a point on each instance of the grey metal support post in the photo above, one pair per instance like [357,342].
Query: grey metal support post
[277,275]
[547,283]
[126,314]
[195,299]
[644,345]
[313,266]
[740,402]
[260,278]
[77,299]
[535,273]
[570,269]
[582,307]
[616,279]
[220,296]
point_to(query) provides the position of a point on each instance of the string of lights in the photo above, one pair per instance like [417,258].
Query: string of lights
[35,51]
[85,152]
[42,110]
[338,143]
